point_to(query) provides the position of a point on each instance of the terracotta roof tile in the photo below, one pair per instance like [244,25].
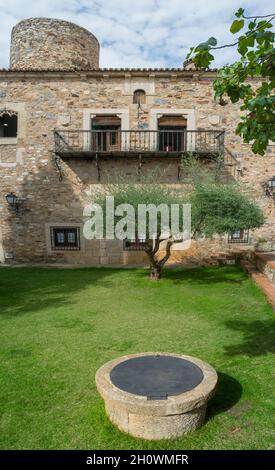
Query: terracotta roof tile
[111,70]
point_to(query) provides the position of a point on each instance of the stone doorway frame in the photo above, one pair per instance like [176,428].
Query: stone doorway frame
[122,113]
[188,114]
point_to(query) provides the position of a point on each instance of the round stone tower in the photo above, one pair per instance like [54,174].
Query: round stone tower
[52,44]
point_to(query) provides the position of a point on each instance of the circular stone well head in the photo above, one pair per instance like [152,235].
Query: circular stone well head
[156,395]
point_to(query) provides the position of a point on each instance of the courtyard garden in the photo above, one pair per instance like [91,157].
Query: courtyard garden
[58,326]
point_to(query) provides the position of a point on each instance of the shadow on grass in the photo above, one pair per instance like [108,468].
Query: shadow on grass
[258,338]
[25,290]
[206,275]
[228,393]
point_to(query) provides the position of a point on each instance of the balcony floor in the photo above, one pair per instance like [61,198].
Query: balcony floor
[132,154]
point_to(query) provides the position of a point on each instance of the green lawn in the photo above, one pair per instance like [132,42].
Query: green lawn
[58,326]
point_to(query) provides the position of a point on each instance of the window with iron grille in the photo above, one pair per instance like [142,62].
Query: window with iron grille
[65,238]
[134,244]
[8,124]
[239,236]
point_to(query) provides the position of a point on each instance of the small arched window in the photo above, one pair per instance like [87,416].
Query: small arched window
[8,123]
[139,97]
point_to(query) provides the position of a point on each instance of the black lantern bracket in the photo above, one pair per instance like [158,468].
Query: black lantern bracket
[14,202]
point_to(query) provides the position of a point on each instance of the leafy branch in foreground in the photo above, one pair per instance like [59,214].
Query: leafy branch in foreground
[257,60]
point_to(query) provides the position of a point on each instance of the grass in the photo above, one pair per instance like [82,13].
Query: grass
[58,326]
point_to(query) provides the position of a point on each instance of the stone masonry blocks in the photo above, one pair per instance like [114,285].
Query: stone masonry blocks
[156,419]
[51,44]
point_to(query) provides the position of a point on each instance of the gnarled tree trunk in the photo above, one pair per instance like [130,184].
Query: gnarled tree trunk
[155,264]
[155,272]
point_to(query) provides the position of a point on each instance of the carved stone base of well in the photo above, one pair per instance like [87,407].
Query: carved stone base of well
[156,419]
[156,427]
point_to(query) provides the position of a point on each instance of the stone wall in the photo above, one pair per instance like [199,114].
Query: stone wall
[51,44]
[8,154]
[63,100]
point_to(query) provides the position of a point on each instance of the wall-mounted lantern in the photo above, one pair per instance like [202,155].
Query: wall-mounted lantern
[14,202]
[270,187]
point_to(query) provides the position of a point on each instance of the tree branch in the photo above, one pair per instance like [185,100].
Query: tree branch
[150,255]
[168,253]
[157,243]
[259,16]
[247,36]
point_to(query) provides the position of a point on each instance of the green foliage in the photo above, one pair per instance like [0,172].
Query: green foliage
[216,207]
[198,171]
[125,192]
[236,26]
[257,60]
[222,208]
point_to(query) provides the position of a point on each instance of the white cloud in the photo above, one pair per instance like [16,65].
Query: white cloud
[147,33]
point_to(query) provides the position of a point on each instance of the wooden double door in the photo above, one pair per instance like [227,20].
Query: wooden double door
[106,134]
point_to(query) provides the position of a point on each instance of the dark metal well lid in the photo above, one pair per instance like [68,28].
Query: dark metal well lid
[156,377]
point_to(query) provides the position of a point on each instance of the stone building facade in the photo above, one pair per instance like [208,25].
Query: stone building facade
[55,84]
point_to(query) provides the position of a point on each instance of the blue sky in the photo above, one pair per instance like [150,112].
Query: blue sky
[143,33]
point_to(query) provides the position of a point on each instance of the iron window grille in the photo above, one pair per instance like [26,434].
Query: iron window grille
[239,236]
[8,124]
[64,238]
[134,244]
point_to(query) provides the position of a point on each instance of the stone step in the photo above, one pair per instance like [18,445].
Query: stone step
[263,282]
[265,263]
[223,256]
[216,261]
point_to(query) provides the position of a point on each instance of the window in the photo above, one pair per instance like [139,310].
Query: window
[8,124]
[239,236]
[63,238]
[139,97]
[134,244]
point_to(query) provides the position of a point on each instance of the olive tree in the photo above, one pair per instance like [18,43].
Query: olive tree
[216,208]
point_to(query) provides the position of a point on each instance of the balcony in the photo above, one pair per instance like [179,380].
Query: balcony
[140,143]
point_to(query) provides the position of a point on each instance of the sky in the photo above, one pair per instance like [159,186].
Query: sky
[138,33]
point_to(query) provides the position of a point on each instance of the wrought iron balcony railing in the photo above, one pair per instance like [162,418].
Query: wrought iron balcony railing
[77,143]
